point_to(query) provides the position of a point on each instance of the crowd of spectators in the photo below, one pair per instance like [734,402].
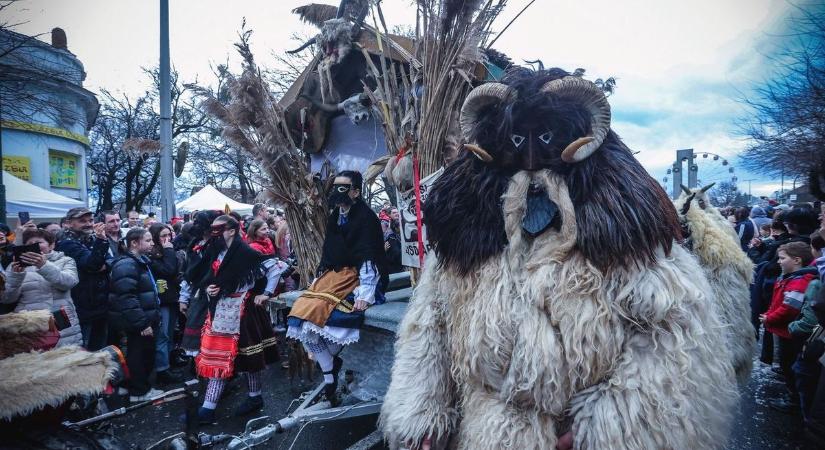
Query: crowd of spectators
[120,281]
[787,246]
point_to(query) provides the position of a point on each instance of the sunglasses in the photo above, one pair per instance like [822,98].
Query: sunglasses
[341,188]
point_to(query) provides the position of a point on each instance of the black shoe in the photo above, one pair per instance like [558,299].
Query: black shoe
[206,416]
[777,370]
[169,377]
[331,394]
[249,405]
[179,360]
[784,406]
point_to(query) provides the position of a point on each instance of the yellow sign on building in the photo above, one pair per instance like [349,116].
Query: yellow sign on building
[19,166]
[62,170]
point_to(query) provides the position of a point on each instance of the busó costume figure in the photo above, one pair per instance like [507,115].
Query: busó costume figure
[728,269]
[558,302]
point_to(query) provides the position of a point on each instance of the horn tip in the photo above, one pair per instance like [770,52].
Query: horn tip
[479,152]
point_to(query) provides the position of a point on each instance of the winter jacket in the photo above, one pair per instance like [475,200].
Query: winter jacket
[89,255]
[759,218]
[49,288]
[745,231]
[806,322]
[165,269]
[133,297]
[394,253]
[788,297]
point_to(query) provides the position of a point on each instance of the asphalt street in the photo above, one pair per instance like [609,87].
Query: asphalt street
[756,427]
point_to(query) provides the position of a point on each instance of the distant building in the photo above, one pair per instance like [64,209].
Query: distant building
[45,113]
[801,194]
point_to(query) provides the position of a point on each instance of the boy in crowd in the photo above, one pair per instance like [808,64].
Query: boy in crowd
[786,303]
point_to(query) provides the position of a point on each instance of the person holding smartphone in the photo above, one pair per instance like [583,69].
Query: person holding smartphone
[43,279]
[86,243]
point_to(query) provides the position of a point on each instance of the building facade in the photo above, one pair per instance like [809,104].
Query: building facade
[45,113]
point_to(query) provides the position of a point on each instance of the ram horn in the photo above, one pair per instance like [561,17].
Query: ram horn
[685,189]
[326,107]
[479,98]
[301,48]
[594,100]
[479,152]
[707,188]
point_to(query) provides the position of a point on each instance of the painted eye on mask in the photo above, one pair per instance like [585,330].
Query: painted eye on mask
[546,137]
[517,140]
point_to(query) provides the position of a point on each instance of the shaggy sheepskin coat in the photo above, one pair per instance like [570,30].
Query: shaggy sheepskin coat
[49,288]
[538,341]
[730,274]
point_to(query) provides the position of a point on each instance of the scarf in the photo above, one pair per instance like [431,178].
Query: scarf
[358,239]
[241,266]
[263,246]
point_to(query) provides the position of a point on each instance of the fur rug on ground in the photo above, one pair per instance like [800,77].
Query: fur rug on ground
[33,380]
[22,331]
[729,272]
[538,341]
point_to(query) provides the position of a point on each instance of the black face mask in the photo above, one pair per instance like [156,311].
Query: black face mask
[339,195]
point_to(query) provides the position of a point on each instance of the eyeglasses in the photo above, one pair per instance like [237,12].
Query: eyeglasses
[341,188]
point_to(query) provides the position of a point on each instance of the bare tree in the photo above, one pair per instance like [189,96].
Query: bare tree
[727,194]
[124,159]
[787,126]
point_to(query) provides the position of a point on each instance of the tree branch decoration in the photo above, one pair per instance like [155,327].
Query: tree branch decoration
[420,113]
[253,121]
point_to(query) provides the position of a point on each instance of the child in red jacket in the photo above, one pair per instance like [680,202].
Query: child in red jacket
[786,303]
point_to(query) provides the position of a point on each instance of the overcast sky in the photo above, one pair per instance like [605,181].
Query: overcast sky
[681,67]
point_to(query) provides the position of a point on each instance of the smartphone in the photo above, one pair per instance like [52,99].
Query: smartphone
[18,250]
[24,217]
[61,319]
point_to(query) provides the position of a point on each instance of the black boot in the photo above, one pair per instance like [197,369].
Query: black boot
[249,405]
[206,416]
[331,390]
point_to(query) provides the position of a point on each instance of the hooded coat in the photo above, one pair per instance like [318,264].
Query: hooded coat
[759,218]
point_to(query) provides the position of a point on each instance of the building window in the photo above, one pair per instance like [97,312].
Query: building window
[62,170]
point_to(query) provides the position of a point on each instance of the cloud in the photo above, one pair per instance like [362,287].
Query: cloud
[682,67]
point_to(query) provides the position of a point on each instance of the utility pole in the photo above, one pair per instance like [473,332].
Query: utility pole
[167,180]
[749,187]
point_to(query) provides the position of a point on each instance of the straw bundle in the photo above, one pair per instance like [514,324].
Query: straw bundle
[253,121]
[449,37]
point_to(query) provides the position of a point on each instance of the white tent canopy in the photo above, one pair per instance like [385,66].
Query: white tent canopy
[40,203]
[210,198]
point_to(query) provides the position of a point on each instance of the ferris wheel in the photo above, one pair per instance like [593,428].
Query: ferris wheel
[709,168]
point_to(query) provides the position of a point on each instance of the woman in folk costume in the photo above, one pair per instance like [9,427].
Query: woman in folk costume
[193,301]
[237,335]
[353,276]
